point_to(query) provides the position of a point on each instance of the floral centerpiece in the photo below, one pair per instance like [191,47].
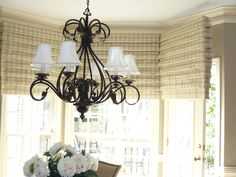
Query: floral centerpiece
[61,161]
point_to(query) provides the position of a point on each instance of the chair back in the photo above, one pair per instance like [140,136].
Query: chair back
[106,169]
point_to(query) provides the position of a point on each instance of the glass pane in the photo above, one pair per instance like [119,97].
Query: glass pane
[29,130]
[120,134]
[212,125]
[180,138]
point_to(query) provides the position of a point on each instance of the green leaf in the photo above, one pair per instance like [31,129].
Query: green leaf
[83,151]
[47,154]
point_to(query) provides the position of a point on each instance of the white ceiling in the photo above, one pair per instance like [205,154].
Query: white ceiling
[116,10]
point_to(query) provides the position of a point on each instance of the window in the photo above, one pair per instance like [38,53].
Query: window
[121,134]
[212,133]
[193,133]
[29,130]
[180,140]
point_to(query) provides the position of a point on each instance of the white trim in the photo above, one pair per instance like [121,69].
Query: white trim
[3,136]
[20,17]
[229,170]
[219,15]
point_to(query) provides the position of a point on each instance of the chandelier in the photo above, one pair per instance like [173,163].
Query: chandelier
[83,79]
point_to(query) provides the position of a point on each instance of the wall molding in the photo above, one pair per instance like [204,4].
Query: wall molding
[218,15]
[24,18]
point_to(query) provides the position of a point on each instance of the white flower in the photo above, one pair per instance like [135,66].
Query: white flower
[81,163]
[41,168]
[71,149]
[55,148]
[29,166]
[59,154]
[92,162]
[66,167]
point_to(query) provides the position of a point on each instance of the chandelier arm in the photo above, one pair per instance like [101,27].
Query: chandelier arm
[105,98]
[122,94]
[64,89]
[82,49]
[44,93]
[108,30]
[138,94]
[100,26]
[77,67]
[116,85]
[79,28]
[85,55]
[96,22]
[58,84]
[73,20]
[108,95]
[104,95]
[98,60]
[68,23]
[102,77]
[91,74]
[82,52]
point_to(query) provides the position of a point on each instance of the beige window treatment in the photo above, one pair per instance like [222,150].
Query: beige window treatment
[18,46]
[176,63]
[185,60]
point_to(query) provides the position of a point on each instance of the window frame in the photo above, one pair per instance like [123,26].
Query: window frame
[55,130]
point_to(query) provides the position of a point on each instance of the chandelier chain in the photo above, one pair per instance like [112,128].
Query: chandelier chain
[88,4]
[87,10]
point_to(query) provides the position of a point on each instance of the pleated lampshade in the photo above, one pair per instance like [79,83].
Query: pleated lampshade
[68,54]
[116,64]
[130,61]
[43,60]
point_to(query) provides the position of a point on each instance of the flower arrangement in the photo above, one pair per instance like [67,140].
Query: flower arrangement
[61,161]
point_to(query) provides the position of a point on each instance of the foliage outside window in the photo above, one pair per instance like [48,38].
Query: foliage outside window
[211,123]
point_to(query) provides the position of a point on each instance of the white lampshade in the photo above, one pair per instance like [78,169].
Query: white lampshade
[130,61]
[68,55]
[116,64]
[43,60]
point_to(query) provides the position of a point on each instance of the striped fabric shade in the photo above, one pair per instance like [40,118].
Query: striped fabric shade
[145,47]
[185,60]
[176,63]
[18,47]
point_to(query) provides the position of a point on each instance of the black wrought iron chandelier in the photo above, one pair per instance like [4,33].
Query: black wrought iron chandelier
[83,79]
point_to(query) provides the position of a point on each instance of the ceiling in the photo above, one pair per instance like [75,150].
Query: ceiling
[116,10]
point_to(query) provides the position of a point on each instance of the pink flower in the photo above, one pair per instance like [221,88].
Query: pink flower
[81,163]
[66,167]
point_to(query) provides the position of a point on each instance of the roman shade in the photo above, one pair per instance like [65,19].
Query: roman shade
[18,47]
[145,47]
[175,63]
[185,60]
